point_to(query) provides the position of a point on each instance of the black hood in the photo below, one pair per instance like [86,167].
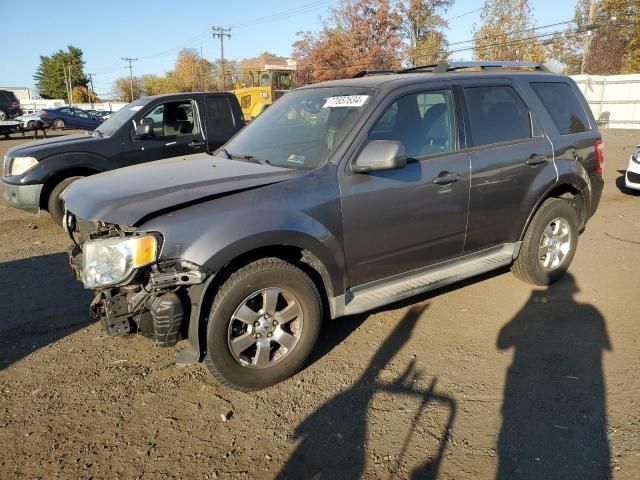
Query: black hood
[51,146]
[128,195]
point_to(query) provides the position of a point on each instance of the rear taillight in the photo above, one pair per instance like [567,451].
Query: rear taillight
[599,147]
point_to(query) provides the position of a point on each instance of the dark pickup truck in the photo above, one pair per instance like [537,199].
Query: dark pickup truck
[150,128]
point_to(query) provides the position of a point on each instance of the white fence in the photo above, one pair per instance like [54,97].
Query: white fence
[37,104]
[614,99]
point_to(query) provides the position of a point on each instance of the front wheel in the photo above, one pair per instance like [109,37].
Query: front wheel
[549,243]
[263,325]
[58,124]
[3,115]
[54,202]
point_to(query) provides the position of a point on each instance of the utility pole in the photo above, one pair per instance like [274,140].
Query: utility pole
[130,60]
[590,27]
[202,69]
[66,83]
[219,32]
[70,86]
[91,88]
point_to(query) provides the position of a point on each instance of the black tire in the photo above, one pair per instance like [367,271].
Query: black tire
[54,204]
[3,115]
[528,266]
[58,124]
[30,124]
[266,273]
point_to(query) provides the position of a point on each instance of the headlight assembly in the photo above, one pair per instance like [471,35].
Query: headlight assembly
[20,165]
[111,261]
[635,156]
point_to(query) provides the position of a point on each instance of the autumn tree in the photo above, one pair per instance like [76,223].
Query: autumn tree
[192,73]
[122,88]
[81,95]
[615,44]
[423,26]
[357,35]
[51,74]
[506,32]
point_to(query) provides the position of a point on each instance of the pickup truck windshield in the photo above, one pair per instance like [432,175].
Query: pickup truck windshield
[303,128]
[122,116]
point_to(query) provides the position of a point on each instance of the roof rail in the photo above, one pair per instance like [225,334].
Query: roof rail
[453,66]
[365,73]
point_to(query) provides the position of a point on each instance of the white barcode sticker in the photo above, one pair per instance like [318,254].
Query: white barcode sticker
[346,101]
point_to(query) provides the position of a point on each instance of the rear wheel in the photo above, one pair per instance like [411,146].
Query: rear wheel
[263,325]
[54,203]
[549,243]
[58,124]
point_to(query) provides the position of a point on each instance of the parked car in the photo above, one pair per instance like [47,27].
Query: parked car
[69,117]
[632,175]
[103,114]
[341,197]
[36,173]
[29,119]
[9,105]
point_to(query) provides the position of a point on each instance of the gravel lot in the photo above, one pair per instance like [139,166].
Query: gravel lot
[486,379]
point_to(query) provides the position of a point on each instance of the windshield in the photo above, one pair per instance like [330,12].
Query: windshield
[122,116]
[303,128]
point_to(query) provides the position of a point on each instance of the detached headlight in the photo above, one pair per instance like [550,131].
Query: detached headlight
[20,165]
[111,261]
[635,156]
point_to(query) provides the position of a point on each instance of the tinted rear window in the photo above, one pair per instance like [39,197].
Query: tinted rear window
[563,106]
[219,116]
[497,114]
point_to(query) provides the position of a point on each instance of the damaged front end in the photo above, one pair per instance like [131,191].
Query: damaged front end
[135,292]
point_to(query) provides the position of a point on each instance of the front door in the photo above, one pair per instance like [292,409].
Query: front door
[401,220]
[176,131]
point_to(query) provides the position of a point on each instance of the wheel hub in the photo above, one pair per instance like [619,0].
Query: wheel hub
[555,244]
[265,326]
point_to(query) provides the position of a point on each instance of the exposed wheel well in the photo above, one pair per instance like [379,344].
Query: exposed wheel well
[568,192]
[57,178]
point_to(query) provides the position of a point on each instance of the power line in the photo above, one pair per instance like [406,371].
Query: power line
[283,14]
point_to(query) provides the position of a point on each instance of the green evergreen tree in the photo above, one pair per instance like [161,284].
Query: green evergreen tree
[50,75]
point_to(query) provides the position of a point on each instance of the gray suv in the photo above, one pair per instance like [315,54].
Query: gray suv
[342,197]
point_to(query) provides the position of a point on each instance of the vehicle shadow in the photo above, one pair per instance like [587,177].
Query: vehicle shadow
[621,186]
[554,421]
[334,332]
[41,303]
[322,453]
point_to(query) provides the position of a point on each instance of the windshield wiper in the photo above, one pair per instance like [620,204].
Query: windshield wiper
[251,158]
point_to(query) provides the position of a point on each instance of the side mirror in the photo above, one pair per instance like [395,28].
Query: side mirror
[143,131]
[381,155]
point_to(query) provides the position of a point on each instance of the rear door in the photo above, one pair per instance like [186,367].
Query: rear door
[177,130]
[511,161]
[221,122]
[400,220]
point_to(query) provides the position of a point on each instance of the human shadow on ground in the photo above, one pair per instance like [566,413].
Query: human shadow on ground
[554,423]
[323,454]
[41,303]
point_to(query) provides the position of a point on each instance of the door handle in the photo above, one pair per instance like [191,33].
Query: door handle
[536,159]
[445,178]
[195,143]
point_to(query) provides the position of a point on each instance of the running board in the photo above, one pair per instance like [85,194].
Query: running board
[389,290]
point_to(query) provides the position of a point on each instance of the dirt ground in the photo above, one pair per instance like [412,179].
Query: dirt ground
[487,379]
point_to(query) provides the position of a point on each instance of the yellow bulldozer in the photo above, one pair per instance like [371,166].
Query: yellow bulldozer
[256,90]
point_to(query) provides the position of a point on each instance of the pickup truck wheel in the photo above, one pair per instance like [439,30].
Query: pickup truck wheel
[263,324]
[549,243]
[54,203]
[3,115]
[58,124]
